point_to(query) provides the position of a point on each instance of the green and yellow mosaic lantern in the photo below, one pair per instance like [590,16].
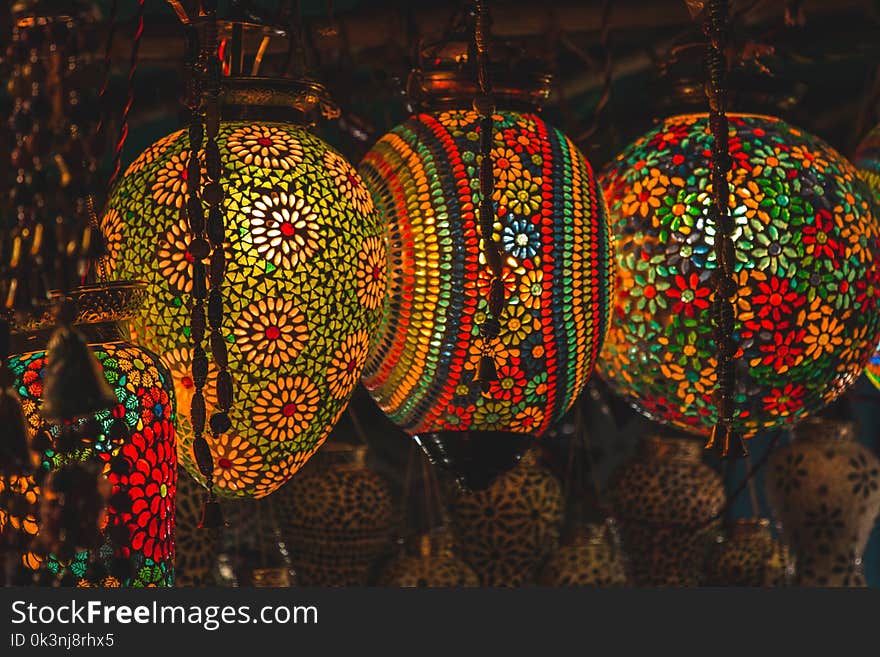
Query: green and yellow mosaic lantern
[305,282]
[867,162]
[807,253]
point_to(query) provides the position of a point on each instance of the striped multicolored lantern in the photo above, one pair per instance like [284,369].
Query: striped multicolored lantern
[552,226]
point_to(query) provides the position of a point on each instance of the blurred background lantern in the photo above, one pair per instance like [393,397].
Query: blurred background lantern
[551,227]
[507,531]
[336,518]
[134,440]
[806,247]
[825,489]
[667,503]
[430,563]
[195,549]
[254,552]
[867,163]
[749,556]
[304,276]
[590,556]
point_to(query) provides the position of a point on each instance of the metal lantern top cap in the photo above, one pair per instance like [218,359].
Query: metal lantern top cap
[446,77]
[246,44]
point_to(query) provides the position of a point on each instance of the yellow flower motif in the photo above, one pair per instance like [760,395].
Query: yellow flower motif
[749,194]
[152,153]
[348,181]
[809,158]
[270,332]
[170,186]
[643,197]
[236,462]
[457,118]
[516,324]
[371,272]
[347,363]
[506,164]
[523,194]
[112,228]
[285,408]
[823,335]
[265,146]
[531,287]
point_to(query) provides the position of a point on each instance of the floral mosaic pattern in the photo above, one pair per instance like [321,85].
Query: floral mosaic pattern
[142,387]
[306,270]
[867,162]
[807,250]
[552,225]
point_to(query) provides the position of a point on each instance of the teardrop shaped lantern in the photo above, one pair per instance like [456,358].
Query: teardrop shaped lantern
[867,163]
[806,267]
[305,278]
[473,403]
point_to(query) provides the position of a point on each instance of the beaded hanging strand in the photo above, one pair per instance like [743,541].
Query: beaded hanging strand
[194,216]
[484,106]
[212,194]
[723,437]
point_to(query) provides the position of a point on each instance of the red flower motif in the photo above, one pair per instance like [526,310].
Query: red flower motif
[785,401]
[456,417]
[669,137]
[509,385]
[520,140]
[32,378]
[868,290]
[819,237]
[150,486]
[776,300]
[784,351]
[689,295]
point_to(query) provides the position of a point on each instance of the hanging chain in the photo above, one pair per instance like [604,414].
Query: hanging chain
[205,131]
[724,436]
[198,60]
[484,105]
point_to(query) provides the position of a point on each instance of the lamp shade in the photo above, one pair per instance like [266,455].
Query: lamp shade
[138,548]
[305,280]
[552,227]
[867,162]
[806,251]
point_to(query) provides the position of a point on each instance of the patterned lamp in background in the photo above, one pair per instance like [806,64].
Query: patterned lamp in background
[507,531]
[336,518]
[552,227]
[305,280]
[807,248]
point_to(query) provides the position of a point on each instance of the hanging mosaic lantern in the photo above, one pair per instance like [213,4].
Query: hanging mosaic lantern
[135,440]
[591,557]
[665,500]
[553,233]
[336,518]
[507,531]
[750,556]
[867,162]
[807,253]
[824,487]
[434,566]
[305,281]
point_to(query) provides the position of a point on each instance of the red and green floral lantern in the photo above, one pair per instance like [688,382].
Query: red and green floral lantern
[138,548]
[807,250]
[867,162]
[305,281]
